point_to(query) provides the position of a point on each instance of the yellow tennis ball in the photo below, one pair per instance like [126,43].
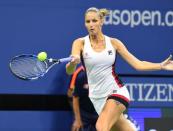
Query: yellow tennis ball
[42,56]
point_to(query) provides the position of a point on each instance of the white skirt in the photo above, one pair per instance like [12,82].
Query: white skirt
[121,94]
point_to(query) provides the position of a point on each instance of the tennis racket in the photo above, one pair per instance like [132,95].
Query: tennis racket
[28,67]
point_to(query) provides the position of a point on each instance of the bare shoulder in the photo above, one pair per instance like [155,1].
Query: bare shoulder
[79,42]
[78,45]
[116,43]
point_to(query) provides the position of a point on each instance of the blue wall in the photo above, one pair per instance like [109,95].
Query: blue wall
[31,26]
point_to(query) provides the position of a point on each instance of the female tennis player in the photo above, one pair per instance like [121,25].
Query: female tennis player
[97,52]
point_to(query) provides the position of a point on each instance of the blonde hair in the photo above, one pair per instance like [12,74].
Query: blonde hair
[102,12]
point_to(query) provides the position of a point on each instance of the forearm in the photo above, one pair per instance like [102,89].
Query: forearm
[75,54]
[70,68]
[76,109]
[148,66]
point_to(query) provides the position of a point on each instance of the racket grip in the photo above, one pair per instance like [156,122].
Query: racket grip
[65,59]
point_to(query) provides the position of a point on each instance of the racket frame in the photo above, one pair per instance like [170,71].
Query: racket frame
[46,62]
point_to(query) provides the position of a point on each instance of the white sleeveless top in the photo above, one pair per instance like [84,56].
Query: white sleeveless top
[100,69]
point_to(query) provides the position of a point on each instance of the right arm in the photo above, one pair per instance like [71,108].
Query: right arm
[75,53]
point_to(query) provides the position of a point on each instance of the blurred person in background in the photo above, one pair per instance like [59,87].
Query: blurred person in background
[85,116]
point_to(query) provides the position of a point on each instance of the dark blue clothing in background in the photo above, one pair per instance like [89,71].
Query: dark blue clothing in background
[87,111]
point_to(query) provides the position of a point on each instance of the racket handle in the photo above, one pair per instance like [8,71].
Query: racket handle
[65,59]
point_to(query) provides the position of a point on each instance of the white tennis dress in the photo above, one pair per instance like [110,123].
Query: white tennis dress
[102,80]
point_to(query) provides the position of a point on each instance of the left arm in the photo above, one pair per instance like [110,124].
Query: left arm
[138,64]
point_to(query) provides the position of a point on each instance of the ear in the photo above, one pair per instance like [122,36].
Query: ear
[102,22]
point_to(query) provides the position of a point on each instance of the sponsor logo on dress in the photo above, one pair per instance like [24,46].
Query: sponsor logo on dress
[114,91]
[86,56]
[109,52]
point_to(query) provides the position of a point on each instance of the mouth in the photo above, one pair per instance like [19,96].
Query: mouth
[91,30]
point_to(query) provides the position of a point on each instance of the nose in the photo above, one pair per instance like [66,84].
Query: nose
[91,24]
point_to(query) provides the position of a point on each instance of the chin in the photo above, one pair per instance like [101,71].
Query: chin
[92,33]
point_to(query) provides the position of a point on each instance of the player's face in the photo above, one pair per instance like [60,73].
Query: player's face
[93,23]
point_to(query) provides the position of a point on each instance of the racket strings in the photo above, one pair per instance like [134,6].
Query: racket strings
[28,67]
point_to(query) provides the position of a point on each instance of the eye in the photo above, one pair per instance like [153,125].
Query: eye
[94,20]
[87,21]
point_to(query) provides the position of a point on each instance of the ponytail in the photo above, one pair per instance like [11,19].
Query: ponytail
[102,12]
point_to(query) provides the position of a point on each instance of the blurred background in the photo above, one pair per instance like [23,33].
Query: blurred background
[31,26]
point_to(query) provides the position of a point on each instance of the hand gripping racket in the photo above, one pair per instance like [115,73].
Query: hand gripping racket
[28,67]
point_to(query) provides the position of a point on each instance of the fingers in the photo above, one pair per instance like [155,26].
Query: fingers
[167,60]
[77,125]
[75,128]
[170,57]
[75,59]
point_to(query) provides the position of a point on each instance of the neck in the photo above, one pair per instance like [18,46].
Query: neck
[97,38]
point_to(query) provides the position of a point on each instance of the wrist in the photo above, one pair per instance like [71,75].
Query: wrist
[161,66]
[70,68]
[71,65]
[77,118]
